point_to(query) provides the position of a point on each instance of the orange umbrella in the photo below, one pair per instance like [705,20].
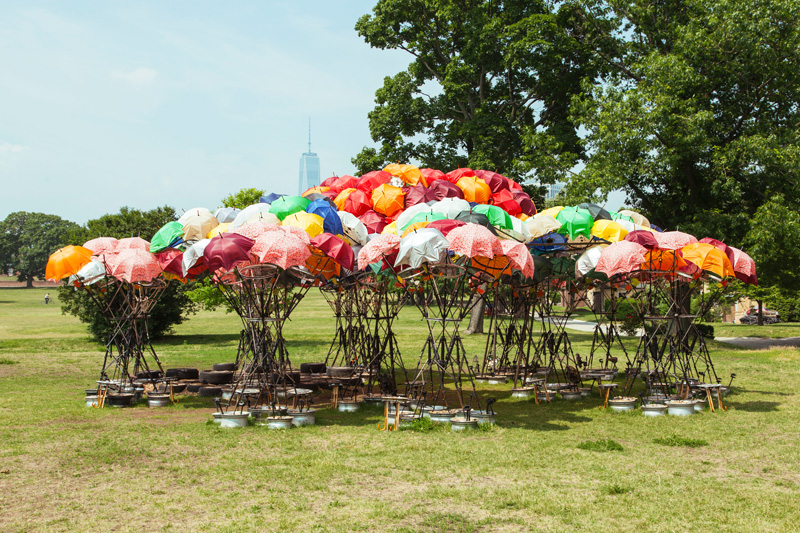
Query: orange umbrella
[341,197]
[387,199]
[408,173]
[708,257]
[495,266]
[66,262]
[318,189]
[475,189]
[664,260]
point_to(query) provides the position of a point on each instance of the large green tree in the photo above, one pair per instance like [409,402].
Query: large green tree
[697,119]
[243,197]
[489,86]
[27,240]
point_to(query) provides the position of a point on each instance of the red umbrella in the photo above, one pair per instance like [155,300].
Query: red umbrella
[474,240]
[358,202]
[227,250]
[431,174]
[375,222]
[442,188]
[513,185]
[134,265]
[132,243]
[171,260]
[454,175]
[328,182]
[621,257]
[744,267]
[372,180]
[445,226]
[495,181]
[101,245]
[505,200]
[418,194]
[526,205]
[519,256]
[335,248]
[281,249]
[384,246]
[643,237]
[674,240]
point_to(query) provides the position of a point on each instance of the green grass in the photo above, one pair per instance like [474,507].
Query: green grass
[772,331]
[66,467]
[675,440]
[602,445]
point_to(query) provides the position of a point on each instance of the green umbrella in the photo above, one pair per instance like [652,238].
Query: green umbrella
[617,216]
[288,205]
[496,215]
[574,222]
[423,217]
[165,236]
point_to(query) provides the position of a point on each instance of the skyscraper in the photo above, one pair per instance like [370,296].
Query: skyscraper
[309,167]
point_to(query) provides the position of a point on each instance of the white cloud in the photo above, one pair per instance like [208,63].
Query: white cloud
[138,76]
[8,148]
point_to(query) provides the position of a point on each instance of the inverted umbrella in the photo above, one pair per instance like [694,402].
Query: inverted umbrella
[473,240]
[288,205]
[134,265]
[372,180]
[608,230]
[168,235]
[598,212]
[423,246]
[709,258]
[226,214]
[331,223]
[744,267]
[195,211]
[373,221]
[383,246]
[226,251]
[387,199]
[575,222]
[66,261]
[497,216]
[308,222]
[621,258]
[674,240]
[451,207]
[280,249]
[101,245]
[475,189]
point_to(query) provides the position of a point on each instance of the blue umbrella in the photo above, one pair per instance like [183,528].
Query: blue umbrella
[268,199]
[331,223]
[549,242]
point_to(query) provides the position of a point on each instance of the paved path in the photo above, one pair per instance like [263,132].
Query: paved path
[761,343]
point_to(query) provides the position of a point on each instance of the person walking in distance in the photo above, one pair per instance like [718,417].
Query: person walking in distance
[47,298]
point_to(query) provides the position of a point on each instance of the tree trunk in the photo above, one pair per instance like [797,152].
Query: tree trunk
[760,313]
[29,282]
[476,315]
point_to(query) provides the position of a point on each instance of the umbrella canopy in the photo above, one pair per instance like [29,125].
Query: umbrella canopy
[608,230]
[722,246]
[451,207]
[587,262]
[598,212]
[388,200]
[518,231]
[423,246]
[336,249]
[355,232]
[663,260]
[549,242]
[226,214]
[551,211]
[620,258]
[505,200]
[526,205]
[227,251]
[382,246]
[473,240]
[373,221]
[134,266]
[404,218]
[171,261]
[575,222]
[338,184]
[708,257]
[308,222]
[131,243]
[475,189]
[319,189]
[471,217]
[497,216]
[445,226]
[168,235]
[195,211]
[281,249]
[519,256]
[66,261]
[101,245]
[90,273]
[288,205]
[455,175]
[422,217]
[357,202]
[250,214]
[744,267]
[408,173]
[222,228]
[645,238]
[271,197]
[255,229]
[617,216]
[635,217]
[331,223]
[542,225]
[324,197]
[431,175]
[495,181]
[674,240]
[342,197]
[297,233]
[372,180]
[441,189]
[418,194]
[193,258]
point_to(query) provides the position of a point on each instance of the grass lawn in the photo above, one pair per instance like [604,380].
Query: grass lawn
[563,466]
[772,331]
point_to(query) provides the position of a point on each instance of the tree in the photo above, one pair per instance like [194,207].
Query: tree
[27,240]
[174,305]
[697,119]
[243,198]
[489,80]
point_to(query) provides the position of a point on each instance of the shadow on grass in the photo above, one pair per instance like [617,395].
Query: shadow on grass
[203,339]
[755,407]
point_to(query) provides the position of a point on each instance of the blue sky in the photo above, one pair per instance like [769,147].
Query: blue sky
[106,104]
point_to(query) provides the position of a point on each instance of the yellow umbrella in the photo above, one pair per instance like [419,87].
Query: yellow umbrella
[222,228]
[415,225]
[308,222]
[317,189]
[608,230]
[390,228]
[66,261]
[551,211]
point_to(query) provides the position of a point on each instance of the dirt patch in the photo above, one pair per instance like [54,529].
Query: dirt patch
[17,284]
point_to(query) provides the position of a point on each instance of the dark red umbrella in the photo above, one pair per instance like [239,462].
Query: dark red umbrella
[505,200]
[418,194]
[431,174]
[171,260]
[445,226]
[335,248]
[495,181]
[643,237]
[526,205]
[227,250]
[454,175]
[375,222]
[372,180]
[442,188]
[358,203]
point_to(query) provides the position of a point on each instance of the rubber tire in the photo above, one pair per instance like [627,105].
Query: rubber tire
[339,371]
[224,366]
[152,374]
[216,377]
[183,374]
[313,368]
[194,387]
[210,392]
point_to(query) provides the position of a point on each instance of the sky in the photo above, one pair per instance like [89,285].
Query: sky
[143,104]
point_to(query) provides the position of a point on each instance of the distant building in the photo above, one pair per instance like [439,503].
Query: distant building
[553,190]
[309,167]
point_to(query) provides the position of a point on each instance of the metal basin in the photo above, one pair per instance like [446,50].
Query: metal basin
[233,420]
[459,423]
[654,409]
[622,404]
[158,400]
[348,407]
[302,418]
[680,407]
[280,422]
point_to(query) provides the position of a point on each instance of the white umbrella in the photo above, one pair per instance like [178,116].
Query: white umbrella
[197,225]
[91,272]
[406,216]
[192,212]
[450,207]
[519,231]
[193,254]
[226,214]
[425,245]
[588,260]
[542,225]
[249,215]
[355,232]
[636,217]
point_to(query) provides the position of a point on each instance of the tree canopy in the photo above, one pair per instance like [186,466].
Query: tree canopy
[28,239]
[243,197]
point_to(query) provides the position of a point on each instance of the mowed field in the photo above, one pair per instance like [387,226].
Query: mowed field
[66,467]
